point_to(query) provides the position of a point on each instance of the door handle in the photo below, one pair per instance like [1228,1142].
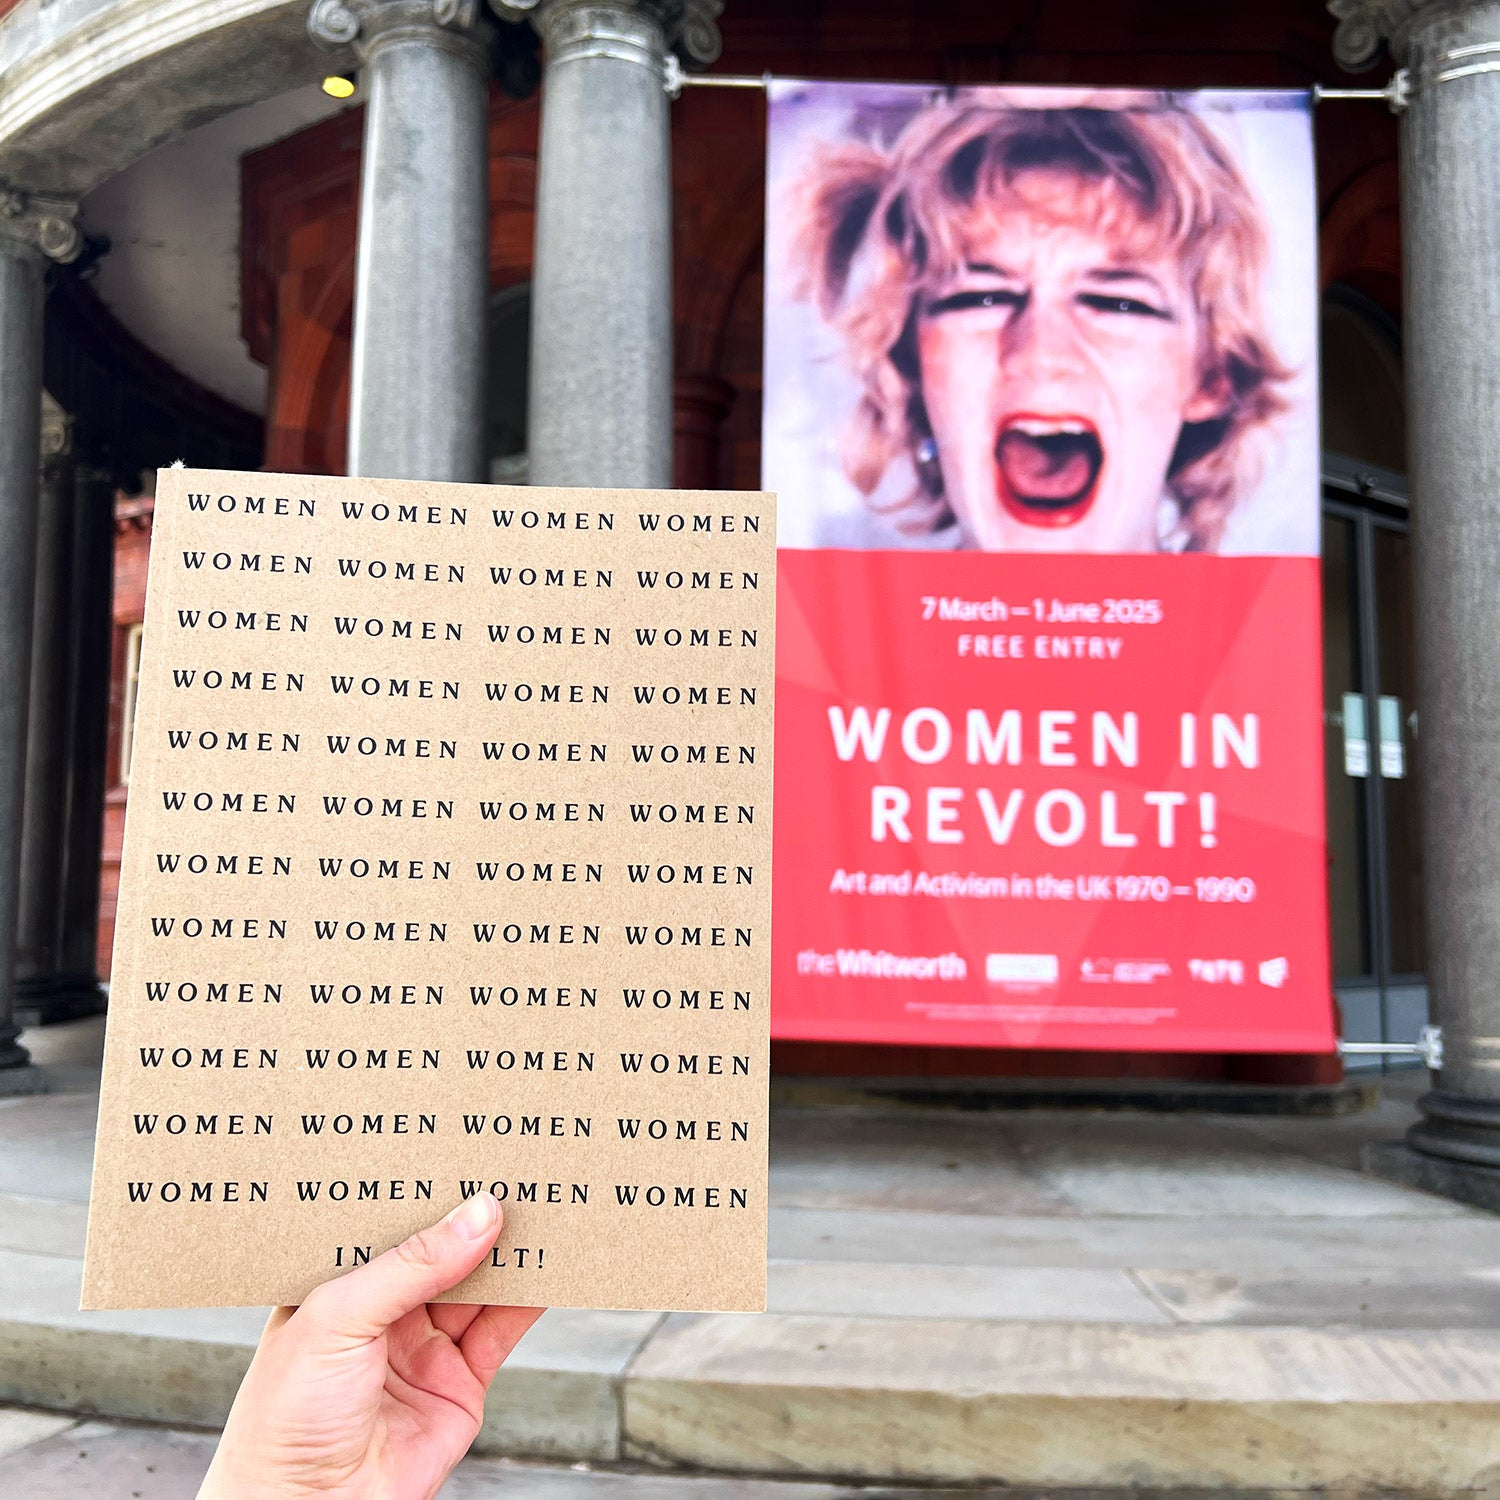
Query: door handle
[1392,747]
[1356,741]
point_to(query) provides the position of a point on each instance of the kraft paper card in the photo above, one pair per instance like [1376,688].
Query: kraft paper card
[447,866]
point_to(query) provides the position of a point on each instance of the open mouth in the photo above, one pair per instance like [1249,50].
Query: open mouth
[1048,468]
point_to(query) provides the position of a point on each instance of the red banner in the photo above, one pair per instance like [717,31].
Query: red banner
[1041,413]
[1050,802]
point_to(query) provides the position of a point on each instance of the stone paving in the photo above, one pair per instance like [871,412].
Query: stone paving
[48,1457]
[1042,1297]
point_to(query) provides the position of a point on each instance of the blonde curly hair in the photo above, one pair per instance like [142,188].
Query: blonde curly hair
[875,226]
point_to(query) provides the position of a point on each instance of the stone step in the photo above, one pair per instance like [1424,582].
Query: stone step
[559,1395]
[1069,1405]
[1044,1403]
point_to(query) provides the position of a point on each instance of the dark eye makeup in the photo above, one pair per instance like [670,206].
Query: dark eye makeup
[968,301]
[1112,302]
[990,298]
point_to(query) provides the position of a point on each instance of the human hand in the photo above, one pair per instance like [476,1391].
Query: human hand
[369,1389]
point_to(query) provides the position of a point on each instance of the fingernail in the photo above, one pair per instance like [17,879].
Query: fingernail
[475,1216]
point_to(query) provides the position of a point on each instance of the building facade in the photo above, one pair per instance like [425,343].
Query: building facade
[530,247]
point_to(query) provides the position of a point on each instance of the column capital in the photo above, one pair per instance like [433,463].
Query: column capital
[689,28]
[1365,24]
[43,225]
[367,24]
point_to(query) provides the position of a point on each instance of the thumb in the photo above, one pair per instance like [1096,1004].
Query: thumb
[365,1302]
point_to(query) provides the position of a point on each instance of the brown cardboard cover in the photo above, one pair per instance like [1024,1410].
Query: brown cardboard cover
[430,782]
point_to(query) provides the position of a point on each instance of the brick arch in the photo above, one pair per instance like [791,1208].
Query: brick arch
[718,173]
[732,244]
[717,387]
[1360,236]
[298,248]
[741,357]
[309,404]
[512,216]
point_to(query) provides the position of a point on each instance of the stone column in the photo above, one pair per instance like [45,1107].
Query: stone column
[1450,213]
[90,645]
[39,911]
[417,392]
[32,229]
[600,410]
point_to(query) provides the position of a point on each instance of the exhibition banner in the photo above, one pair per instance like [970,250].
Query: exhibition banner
[1041,411]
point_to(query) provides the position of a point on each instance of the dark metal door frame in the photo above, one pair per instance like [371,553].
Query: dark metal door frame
[1371,500]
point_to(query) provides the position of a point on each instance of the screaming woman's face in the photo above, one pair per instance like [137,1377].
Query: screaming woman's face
[1058,368]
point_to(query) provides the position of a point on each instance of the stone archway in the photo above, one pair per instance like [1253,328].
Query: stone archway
[91,85]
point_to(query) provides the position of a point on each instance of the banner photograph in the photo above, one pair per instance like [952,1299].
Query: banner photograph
[1041,410]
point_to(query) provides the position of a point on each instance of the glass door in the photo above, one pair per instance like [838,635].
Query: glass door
[1370,736]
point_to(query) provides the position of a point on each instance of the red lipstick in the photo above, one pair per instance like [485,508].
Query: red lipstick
[1047,467]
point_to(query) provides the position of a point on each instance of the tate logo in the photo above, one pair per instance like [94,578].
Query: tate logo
[1273,972]
[1217,970]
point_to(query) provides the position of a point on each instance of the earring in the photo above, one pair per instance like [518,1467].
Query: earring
[1171,526]
[929,471]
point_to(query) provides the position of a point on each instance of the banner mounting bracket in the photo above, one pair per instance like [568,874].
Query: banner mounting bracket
[1396,94]
[1428,1046]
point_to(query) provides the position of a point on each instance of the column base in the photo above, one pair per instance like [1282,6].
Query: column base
[33,991]
[33,999]
[59,998]
[1457,1128]
[27,1079]
[1395,1161]
[83,993]
[18,1074]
